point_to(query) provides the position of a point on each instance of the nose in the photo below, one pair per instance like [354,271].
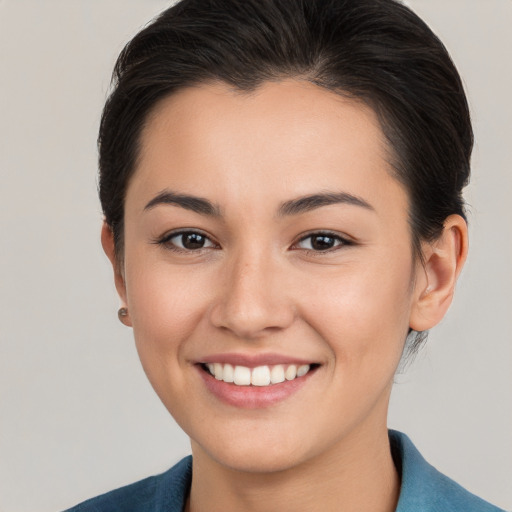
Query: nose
[253,300]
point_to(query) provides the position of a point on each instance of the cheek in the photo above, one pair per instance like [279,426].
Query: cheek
[362,310]
[166,306]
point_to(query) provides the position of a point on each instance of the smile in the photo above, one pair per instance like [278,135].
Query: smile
[260,376]
[255,381]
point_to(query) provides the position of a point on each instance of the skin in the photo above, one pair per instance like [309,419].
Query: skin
[258,287]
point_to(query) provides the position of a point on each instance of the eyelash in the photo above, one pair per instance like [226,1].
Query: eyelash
[165,241]
[339,241]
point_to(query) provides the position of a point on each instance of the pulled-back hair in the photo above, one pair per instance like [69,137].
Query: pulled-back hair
[377,51]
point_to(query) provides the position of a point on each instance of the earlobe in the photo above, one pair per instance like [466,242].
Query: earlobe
[107,242]
[437,277]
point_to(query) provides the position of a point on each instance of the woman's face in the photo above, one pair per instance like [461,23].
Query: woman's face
[264,231]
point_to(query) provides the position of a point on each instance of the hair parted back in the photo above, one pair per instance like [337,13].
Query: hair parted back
[377,51]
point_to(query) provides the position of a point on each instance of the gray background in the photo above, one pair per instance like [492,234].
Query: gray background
[77,415]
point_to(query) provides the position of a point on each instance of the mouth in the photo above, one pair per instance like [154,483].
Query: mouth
[255,382]
[258,376]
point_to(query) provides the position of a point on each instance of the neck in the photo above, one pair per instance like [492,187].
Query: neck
[358,474]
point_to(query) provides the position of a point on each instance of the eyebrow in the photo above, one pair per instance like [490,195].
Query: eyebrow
[193,203]
[307,203]
[293,207]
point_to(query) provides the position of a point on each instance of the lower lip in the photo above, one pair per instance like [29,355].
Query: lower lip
[252,397]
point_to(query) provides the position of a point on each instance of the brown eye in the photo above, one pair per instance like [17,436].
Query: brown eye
[188,241]
[192,241]
[321,242]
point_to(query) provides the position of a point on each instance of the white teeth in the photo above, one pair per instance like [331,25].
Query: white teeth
[242,376]
[228,374]
[259,376]
[217,371]
[302,370]
[277,374]
[291,372]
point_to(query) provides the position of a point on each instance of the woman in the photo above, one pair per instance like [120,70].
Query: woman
[282,189]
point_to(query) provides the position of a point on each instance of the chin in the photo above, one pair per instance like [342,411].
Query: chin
[256,461]
[262,451]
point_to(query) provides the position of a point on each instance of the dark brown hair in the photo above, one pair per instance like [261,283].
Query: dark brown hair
[377,51]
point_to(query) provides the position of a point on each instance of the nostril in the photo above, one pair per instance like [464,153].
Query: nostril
[253,317]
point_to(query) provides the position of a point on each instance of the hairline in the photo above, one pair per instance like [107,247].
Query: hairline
[390,154]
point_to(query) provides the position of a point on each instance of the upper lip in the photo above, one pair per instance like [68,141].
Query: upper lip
[254,360]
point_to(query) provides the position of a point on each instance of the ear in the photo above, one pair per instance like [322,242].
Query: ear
[437,276]
[107,242]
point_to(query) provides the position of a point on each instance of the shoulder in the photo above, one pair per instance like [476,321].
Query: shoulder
[167,491]
[424,488]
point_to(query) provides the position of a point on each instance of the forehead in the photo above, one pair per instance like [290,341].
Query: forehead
[284,139]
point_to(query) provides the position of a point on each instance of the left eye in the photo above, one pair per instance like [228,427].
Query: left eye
[320,242]
[189,240]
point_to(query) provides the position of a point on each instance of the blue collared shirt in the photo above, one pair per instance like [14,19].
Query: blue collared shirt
[423,488]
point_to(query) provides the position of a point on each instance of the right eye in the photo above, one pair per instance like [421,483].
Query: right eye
[186,241]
